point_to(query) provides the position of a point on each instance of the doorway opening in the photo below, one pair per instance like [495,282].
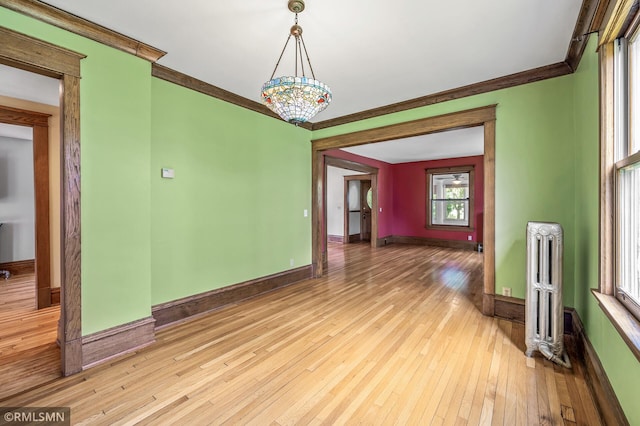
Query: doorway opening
[40,57]
[28,230]
[483,117]
[337,214]
[358,202]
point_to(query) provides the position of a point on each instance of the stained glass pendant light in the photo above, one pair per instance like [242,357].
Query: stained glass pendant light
[297,98]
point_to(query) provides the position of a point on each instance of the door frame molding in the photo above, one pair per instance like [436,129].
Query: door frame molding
[349,165]
[31,54]
[373,177]
[482,116]
[39,123]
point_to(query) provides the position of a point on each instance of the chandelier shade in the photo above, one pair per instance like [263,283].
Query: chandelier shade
[296,99]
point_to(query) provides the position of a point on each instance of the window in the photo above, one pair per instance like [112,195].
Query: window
[450,198]
[627,171]
[619,57]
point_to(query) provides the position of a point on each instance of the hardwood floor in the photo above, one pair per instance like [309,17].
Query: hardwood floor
[28,351]
[390,336]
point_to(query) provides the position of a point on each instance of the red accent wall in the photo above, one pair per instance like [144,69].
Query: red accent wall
[402,190]
[409,199]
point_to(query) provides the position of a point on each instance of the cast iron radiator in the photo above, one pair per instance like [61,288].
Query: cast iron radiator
[544,310]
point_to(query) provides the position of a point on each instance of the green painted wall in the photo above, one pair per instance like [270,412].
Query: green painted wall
[553,123]
[621,366]
[115,127]
[534,167]
[234,211]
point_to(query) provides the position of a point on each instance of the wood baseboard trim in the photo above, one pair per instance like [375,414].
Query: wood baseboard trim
[605,398]
[335,238]
[19,267]
[488,305]
[55,295]
[435,242]
[354,238]
[107,344]
[509,308]
[176,311]
[513,309]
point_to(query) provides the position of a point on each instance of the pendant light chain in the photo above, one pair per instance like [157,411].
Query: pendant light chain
[308,60]
[280,58]
[297,42]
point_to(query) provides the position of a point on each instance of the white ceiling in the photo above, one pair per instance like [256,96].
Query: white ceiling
[449,144]
[370,52]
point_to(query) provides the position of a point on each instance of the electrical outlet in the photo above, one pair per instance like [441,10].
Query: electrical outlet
[469,237]
[506,291]
[291,262]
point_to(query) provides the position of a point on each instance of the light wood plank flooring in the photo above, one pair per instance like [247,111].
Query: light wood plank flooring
[390,336]
[29,354]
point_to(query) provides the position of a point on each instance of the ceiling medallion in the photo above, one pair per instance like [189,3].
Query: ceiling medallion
[297,98]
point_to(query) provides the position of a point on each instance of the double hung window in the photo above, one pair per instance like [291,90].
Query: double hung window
[627,171]
[450,198]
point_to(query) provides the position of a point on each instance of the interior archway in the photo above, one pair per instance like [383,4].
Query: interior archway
[483,116]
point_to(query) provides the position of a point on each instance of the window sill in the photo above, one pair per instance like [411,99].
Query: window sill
[626,324]
[451,228]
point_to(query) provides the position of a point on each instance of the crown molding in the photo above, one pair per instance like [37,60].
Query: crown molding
[536,74]
[75,24]
[584,25]
[184,80]
[589,19]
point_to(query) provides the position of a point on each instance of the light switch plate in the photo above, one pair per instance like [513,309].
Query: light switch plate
[167,173]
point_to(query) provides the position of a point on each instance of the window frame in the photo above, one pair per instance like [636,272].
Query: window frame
[622,22]
[621,295]
[471,199]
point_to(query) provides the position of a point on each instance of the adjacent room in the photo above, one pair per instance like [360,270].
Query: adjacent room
[437,222]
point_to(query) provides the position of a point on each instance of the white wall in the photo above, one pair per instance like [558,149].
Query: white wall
[354,204]
[17,234]
[54,169]
[335,200]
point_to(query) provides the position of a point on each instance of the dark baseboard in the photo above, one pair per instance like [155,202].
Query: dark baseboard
[107,344]
[335,238]
[181,309]
[513,309]
[55,295]
[435,242]
[595,376]
[19,267]
[509,308]
[354,238]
